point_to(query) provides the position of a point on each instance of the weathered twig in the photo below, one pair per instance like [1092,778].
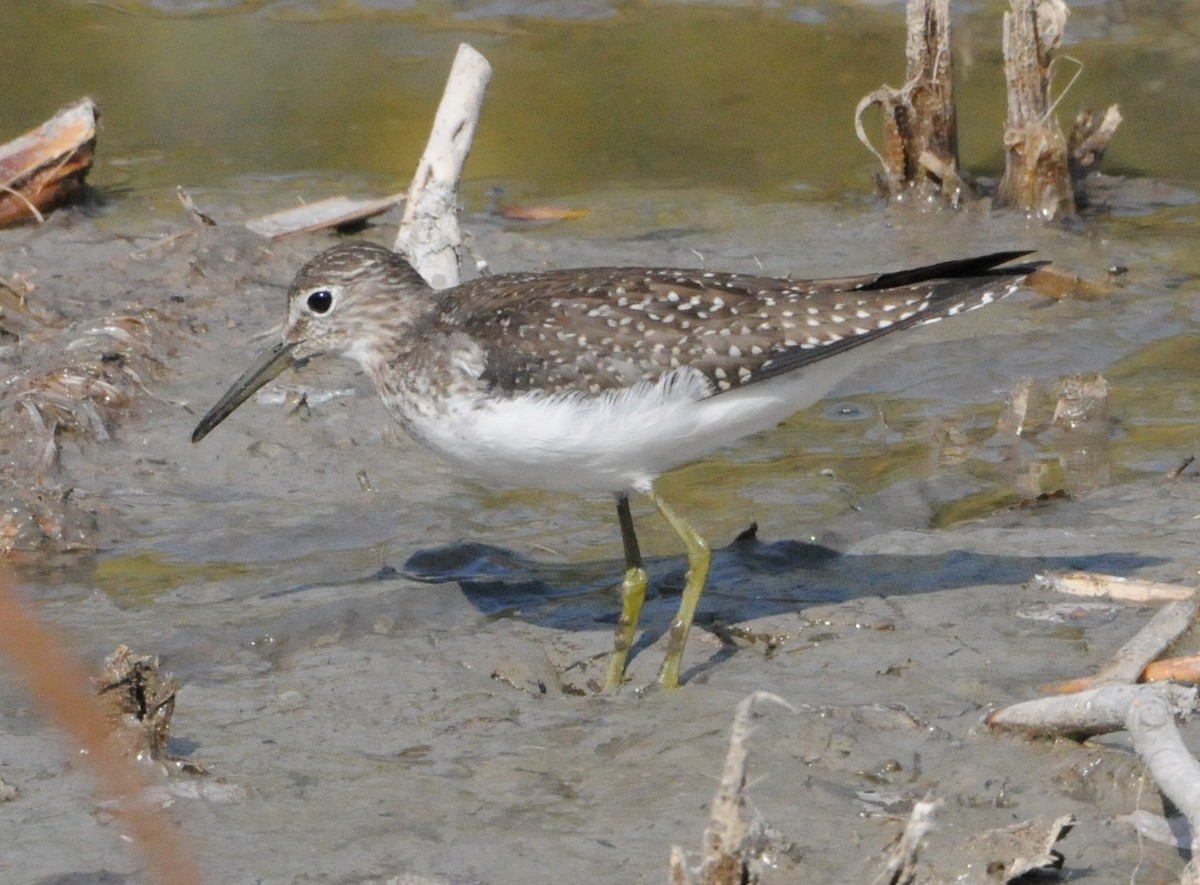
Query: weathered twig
[1036,178]
[1089,140]
[677,872]
[194,212]
[1177,471]
[1020,852]
[330,212]
[725,838]
[1167,625]
[1151,724]
[429,235]
[1086,713]
[900,866]
[1112,587]
[920,133]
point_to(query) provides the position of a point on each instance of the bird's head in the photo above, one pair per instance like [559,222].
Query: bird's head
[350,300]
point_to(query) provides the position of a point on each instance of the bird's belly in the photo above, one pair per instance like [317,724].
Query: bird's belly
[571,443]
[555,446]
[610,442]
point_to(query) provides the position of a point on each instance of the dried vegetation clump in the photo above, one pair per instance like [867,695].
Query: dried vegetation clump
[138,700]
[65,379]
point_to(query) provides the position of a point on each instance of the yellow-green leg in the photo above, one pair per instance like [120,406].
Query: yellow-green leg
[633,595]
[699,558]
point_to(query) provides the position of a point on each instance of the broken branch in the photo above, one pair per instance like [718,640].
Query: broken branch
[429,235]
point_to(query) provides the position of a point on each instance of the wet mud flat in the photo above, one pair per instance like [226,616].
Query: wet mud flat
[360,725]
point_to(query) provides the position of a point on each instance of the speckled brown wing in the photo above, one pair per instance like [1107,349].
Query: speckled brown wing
[607,328]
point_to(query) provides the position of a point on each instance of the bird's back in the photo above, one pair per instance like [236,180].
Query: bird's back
[598,329]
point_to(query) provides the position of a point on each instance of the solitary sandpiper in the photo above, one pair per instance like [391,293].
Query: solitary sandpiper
[603,379]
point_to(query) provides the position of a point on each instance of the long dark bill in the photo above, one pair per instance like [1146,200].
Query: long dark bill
[265,368]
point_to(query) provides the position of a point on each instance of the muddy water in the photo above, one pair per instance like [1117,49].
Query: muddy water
[370,724]
[243,96]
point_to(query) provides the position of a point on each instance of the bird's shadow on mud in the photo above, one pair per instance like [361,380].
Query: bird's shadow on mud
[749,579]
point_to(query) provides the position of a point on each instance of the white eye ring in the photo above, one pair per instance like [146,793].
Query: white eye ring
[319,301]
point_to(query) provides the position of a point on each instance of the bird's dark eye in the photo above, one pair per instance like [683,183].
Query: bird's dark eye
[320,301]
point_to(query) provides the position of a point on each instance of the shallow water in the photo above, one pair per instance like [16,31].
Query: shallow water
[384,725]
[242,98]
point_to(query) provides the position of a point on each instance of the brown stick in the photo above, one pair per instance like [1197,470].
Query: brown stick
[1036,177]
[1181,671]
[920,132]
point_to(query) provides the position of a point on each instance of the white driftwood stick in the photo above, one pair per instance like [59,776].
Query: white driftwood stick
[1086,713]
[1167,625]
[330,212]
[1112,587]
[1151,724]
[429,235]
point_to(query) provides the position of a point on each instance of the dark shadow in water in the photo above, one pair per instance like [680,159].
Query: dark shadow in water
[749,579]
